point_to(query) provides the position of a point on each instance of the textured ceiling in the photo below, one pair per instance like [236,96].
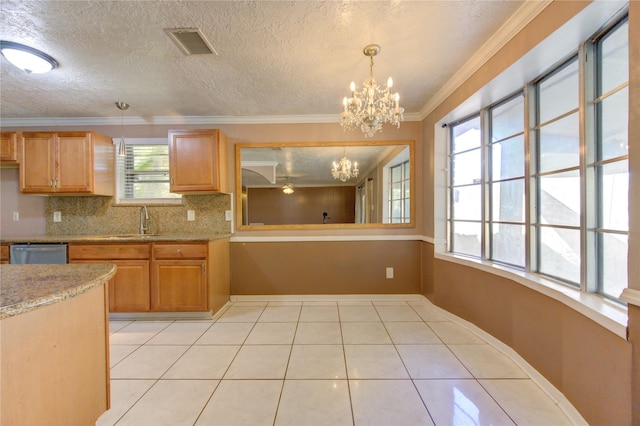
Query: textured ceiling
[275,58]
[311,166]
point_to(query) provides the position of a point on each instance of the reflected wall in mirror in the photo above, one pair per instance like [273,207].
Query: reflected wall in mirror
[298,185]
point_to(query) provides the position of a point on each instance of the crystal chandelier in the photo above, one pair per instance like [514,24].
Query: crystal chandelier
[373,105]
[342,170]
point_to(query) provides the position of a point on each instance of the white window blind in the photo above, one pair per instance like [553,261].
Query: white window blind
[143,174]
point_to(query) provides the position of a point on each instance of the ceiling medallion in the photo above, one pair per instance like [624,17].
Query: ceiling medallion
[373,105]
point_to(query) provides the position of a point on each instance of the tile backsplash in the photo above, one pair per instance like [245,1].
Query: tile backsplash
[98,216]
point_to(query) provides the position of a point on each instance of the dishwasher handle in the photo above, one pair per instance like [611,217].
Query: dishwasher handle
[52,248]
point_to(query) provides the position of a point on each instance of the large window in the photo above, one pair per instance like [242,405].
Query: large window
[400,193]
[143,174]
[557,174]
[611,167]
[539,181]
[465,218]
[506,182]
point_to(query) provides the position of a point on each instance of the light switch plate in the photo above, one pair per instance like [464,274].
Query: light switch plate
[57,216]
[228,215]
[191,215]
[16,216]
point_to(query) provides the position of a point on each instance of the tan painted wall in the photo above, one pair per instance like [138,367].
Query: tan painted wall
[325,267]
[586,362]
[271,206]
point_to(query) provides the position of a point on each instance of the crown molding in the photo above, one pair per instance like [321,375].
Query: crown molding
[525,14]
[177,120]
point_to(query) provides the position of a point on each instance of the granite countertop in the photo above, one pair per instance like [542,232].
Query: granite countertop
[27,287]
[125,238]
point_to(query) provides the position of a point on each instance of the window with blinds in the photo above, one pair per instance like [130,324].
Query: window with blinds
[143,174]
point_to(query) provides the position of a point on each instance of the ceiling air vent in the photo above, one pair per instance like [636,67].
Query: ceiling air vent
[191,41]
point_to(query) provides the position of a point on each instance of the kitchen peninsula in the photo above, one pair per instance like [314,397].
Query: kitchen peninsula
[54,343]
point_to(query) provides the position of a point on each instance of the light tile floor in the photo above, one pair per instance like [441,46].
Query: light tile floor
[318,363]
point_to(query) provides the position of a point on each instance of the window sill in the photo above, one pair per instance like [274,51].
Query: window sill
[608,314]
[158,202]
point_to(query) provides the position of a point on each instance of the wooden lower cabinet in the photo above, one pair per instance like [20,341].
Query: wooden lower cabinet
[179,286]
[129,288]
[4,253]
[152,277]
[129,291]
[179,277]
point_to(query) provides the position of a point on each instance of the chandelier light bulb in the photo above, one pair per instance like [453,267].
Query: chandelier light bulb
[371,106]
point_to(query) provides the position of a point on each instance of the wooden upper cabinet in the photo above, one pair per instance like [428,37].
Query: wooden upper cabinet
[67,163]
[9,147]
[197,161]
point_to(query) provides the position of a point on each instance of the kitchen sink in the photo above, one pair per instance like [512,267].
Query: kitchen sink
[123,237]
[116,237]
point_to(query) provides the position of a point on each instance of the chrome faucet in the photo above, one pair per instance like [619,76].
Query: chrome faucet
[144,220]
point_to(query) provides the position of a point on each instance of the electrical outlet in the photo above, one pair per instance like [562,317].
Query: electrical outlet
[191,215]
[16,216]
[57,216]
[228,215]
[390,273]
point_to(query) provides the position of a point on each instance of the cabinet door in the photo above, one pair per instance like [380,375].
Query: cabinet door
[129,287]
[37,168]
[8,147]
[193,161]
[179,286]
[4,253]
[74,161]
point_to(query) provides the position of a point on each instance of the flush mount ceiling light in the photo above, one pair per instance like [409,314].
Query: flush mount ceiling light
[27,58]
[342,170]
[122,150]
[373,105]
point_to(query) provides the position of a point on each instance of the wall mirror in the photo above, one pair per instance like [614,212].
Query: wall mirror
[325,185]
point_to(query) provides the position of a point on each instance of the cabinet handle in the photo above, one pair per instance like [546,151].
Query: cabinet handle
[178,250]
[171,179]
[202,267]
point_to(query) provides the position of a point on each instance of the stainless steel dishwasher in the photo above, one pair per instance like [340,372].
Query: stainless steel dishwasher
[38,253]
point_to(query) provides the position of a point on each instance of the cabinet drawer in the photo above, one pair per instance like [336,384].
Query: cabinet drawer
[108,251]
[4,254]
[179,251]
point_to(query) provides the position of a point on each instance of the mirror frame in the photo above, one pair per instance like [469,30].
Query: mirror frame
[292,227]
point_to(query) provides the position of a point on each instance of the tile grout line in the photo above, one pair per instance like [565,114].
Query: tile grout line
[284,378]
[405,365]
[346,369]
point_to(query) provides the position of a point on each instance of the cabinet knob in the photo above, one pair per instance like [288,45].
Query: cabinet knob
[179,251]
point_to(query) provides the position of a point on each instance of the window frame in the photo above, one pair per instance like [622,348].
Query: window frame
[589,227]
[121,175]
